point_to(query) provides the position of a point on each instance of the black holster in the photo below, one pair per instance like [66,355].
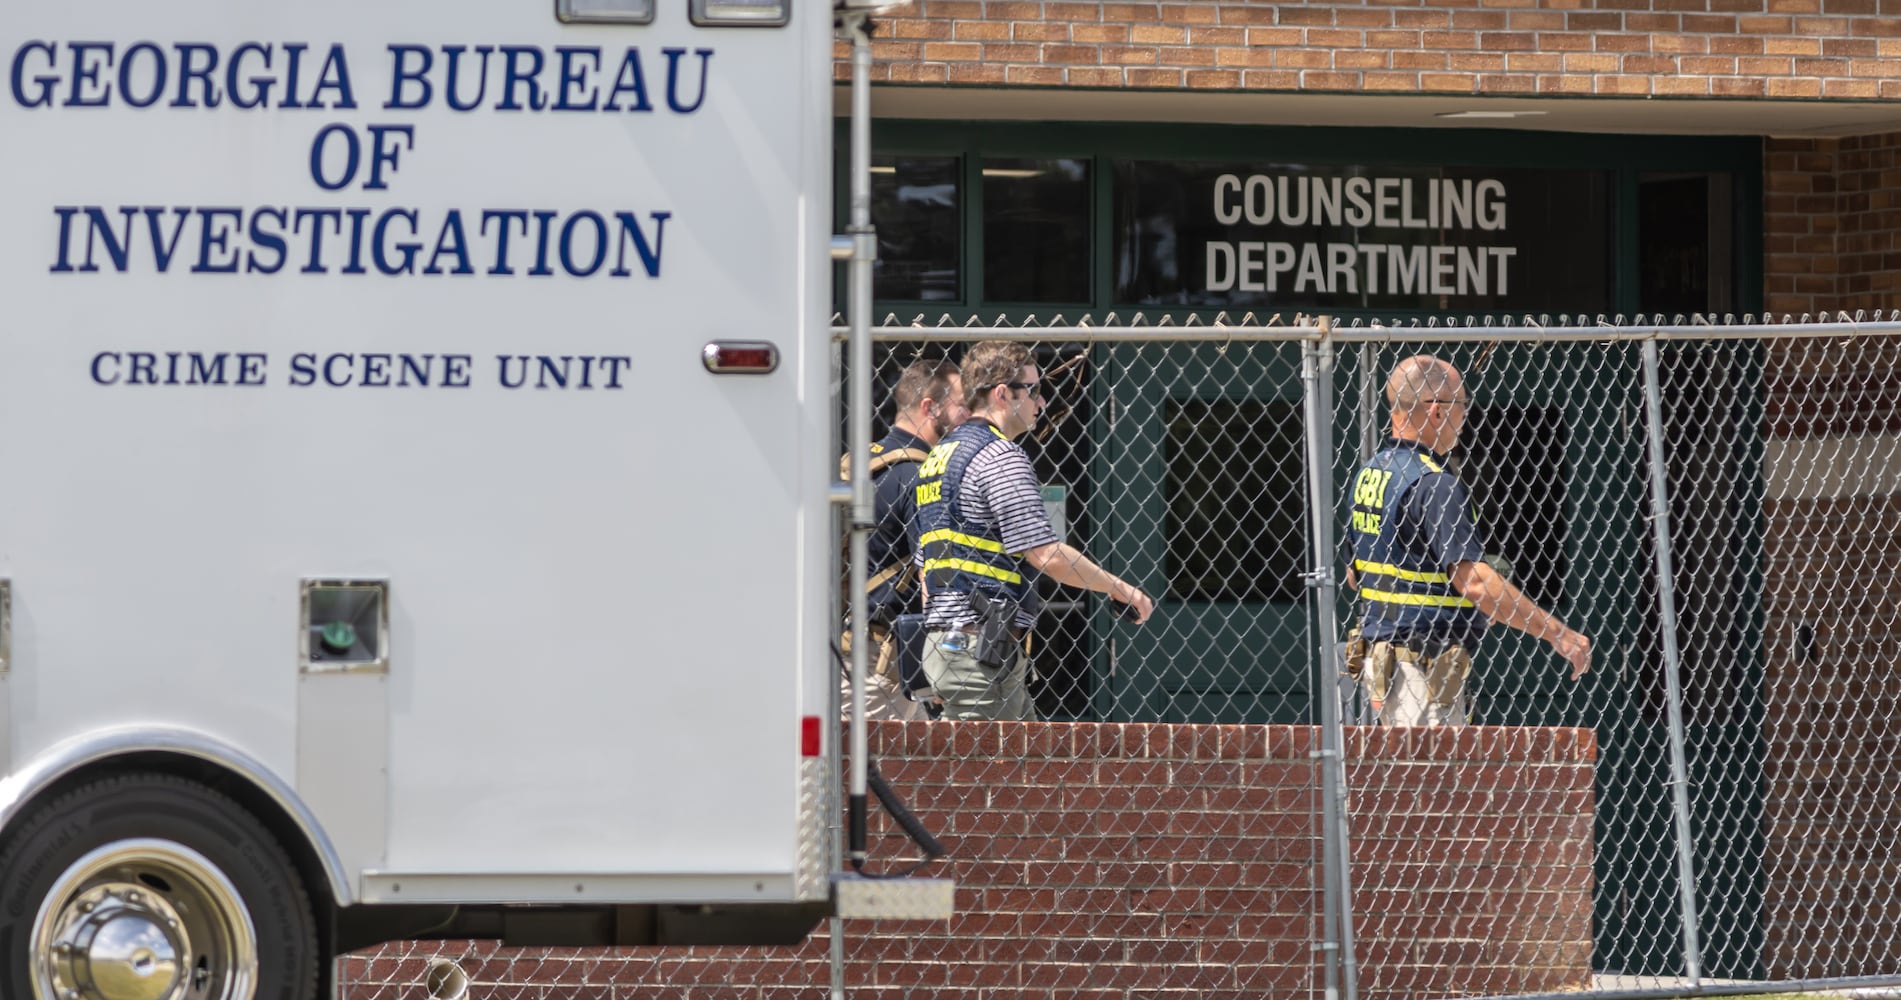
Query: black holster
[997,642]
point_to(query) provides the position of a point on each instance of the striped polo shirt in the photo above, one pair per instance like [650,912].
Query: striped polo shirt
[1000,492]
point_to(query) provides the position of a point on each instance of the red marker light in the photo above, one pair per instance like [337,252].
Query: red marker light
[739,357]
[810,742]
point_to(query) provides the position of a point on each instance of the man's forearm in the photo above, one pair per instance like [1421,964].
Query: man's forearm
[1497,599]
[1502,602]
[1066,565]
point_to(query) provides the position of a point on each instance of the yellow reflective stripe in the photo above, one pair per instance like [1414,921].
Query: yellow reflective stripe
[968,566]
[959,538]
[1428,600]
[1409,575]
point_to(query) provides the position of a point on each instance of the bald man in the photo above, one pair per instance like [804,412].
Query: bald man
[1426,592]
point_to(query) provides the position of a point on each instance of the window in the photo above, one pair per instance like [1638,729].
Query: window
[916,208]
[1684,244]
[1512,460]
[1235,500]
[1166,218]
[1036,230]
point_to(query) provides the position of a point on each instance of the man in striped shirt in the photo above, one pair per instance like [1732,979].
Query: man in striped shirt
[984,537]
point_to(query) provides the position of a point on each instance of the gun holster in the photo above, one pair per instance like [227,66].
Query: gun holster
[1356,650]
[997,642]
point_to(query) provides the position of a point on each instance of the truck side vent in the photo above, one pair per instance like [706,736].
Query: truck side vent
[345,627]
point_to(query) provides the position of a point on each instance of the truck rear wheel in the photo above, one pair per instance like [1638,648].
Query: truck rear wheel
[149,887]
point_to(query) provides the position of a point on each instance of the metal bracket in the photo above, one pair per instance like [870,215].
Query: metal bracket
[855,896]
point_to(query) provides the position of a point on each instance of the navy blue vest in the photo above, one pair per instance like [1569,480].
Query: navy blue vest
[891,589]
[1403,594]
[960,555]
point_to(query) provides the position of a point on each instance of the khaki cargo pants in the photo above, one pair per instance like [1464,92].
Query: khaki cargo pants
[884,698]
[1410,688]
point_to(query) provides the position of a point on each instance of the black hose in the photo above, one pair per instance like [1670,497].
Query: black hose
[893,806]
[931,846]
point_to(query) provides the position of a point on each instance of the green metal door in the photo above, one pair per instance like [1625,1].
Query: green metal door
[1203,497]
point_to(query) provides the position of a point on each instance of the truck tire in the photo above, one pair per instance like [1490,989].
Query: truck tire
[150,887]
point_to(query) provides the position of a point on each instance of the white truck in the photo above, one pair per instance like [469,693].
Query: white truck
[416,511]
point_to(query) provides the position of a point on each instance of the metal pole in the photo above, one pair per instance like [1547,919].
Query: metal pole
[858,292]
[1316,373]
[835,765]
[1672,662]
[1372,429]
[1318,583]
[1371,395]
[864,249]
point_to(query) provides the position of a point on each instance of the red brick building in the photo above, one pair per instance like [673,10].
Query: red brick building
[1807,80]
[1656,157]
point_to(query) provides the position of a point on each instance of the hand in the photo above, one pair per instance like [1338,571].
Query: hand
[1139,607]
[1575,647]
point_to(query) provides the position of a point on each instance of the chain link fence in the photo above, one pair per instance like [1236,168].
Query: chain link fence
[1715,504]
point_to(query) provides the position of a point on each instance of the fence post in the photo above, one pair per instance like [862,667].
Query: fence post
[835,750]
[1672,660]
[1316,375]
[857,391]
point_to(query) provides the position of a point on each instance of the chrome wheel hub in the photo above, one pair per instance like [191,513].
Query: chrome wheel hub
[143,920]
[120,942]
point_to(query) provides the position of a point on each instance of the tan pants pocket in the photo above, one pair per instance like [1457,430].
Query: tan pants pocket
[1381,661]
[1446,674]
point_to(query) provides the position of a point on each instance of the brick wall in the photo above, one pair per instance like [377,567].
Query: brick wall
[1472,859]
[1154,860]
[1832,618]
[1718,48]
[1829,810]
[1832,224]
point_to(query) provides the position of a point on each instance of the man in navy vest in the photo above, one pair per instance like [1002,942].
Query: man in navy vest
[929,401]
[984,537]
[1426,592]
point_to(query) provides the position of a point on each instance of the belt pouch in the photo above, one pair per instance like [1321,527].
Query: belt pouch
[1381,661]
[910,632]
